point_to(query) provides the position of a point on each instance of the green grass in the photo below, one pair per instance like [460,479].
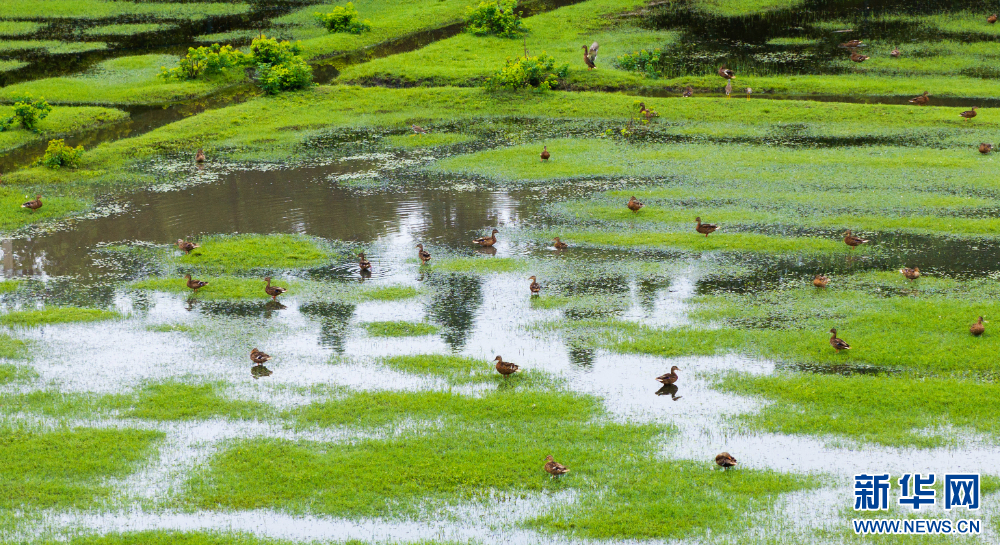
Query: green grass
[55,315]
[51,46]
[127,29]
[888,410]
[123,80]
[170,328]
[102,9]
[7,286]
[219,287]
[455,369]
[19,28]
[9,65]
[241,253]
[168,537]
[400,329]
[742,8]
[480,265]
[15,373]
[389,293]
[427,140]
[11,348]
[693,241]
[12,216]
[60,121]
[180,401]
[67,468]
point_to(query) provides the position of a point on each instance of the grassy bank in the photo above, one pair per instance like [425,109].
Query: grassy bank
[61,121]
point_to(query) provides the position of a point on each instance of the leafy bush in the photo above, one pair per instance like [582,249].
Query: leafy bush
[524,72]
[29,112]
[343,19]
[644,62]
[495,18]
[279,66]
[59,155]
[206,60]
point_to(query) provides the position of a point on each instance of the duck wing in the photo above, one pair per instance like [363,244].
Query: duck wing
[592,52]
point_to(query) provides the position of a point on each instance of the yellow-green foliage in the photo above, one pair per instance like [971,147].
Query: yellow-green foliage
[219,287]
[179,401]
[234,253]
[55,315]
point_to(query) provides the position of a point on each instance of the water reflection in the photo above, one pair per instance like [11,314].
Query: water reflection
[258,371]
[669,390]
[454,303]
[334,319]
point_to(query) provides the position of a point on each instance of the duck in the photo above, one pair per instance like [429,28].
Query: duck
[853,240]
[850,44]
[748,91]
[273,291]
[506,368]
[424,255]
[729,89]
[725,460]
[992,19]
[820,281]
[487,241]
[560,245]
[186,246]
[590,55]
[985,148]
[920,100]
[535,287]
[969,114]
[554,468]
[977,328]
[194,284]
[726,73]
[258,357]
[199,157]
[912,274]
[649,114]
[257,371]
[895,53]
[417,129]
[670,377]
[858,57]
[688,92]
[838,344]
[363,263]
[33,205]
[633,204]
[704,228]
[545,153]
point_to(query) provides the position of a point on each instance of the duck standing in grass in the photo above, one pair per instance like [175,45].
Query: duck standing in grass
[858,57]
[670,377]
[258,357]
[820,281]
[487,241]
[895,53]
[646,112]
[992,19]
[920,100]
[363,263]
[554,468]
[560,245]
[688,92]
[749,91]
[729,89]
[535,287]
[273,291]
[726,73]
[417,129]
[590,55]
[853,240]
[985,148]
[969,114]
[194,284]
[545,153]
[851,44]
[506,368]
[186,246]
[633,204]
[33,205]
[199,157]
[424,255]
[725,460]
[977,328]
[911,274]
[704,228]
[838,344]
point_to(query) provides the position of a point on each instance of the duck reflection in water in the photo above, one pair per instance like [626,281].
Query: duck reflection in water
[486,250]
[364,275]
[258,371]
[670,390]
[272,306]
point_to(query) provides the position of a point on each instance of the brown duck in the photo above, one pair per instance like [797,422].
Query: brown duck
[725,460]
[560,245]
[895,53]
[363,263]
[186,246]
[258,357]
[704,228]
[729,89]
[535,287]
[554,468]
[273,291]
[853,240]
[487,241]
[200,156]
[858,57]
[992,19]
[194,284]
[670,377]
[33,205]
[850,44]
[977,328]
[646,112]
[590,55]
[920,100]
[838,344]
[985,148]
[545,153]
[633,204]
[969,114]
[820,281]
[688,92]
[506,368]
[912,274]
[726,73]
[417,129]
[424,255]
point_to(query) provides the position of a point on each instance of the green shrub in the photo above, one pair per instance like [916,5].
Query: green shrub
[524,72]
[644,62]
[343,19]
[59,155]
[207,61]
[29,112]
[279,66]
[496,18]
